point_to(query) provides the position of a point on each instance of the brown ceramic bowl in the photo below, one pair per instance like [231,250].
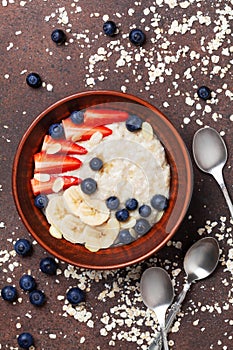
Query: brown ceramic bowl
[180,187]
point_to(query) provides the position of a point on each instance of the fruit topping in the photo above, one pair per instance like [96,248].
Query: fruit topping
[110,28]
[27,283]
[48,266]
[9,293]
[93,213]
[77,117]
[47,187]
[96,164]
[137,37]
[144,210]
[58,36]
[55,163]
[99,117]
[204,93]
[75,296]
[23,247]
[56,131]
[159,202]
[88,185]
[41,201]
[34,80]
[37,297]
[124,237]
[133,123]
[112,203]
[51,146]
[131,204]
[122,214]
[142,226]
[25,340]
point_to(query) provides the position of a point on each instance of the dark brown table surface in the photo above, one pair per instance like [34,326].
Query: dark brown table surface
[189,44]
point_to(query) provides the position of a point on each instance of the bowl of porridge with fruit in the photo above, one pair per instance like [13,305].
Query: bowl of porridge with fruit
[102,179]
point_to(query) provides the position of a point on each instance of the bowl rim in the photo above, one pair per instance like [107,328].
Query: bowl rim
[188,167]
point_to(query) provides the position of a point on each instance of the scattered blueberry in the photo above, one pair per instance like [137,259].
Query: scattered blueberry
[58,36]
[27,283]
[137,37]
[122,215]
[41,201]
[131,204]
[34,80]
[112,203]
[56,131]
[110,28]
[159,202]
[77,117]
[96,164]
[204,93]
[144,210]
[133,123]
[75,295]
[49,266]
[9,293]
[23,247]
[25,340]
[125,237]
[142,226]
[37,297]
[88,185]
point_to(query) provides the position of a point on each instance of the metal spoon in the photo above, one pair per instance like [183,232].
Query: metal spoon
[200,261]
[157,294]
[210,155]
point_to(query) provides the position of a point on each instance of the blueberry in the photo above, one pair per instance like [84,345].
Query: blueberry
[88,185]
[56,131]
[131,204]
[204,92]
[41,201]
[96,164]
[75,295]
[27,283]
[37,297]
[125,237]
[77,117]
[144,210]
[58,36]
[133,123]
[122,215]
[112,203]
[137,37]
[110,28]
[25,340]
[142,226]
[49,266]
[23,247]
[34,80]
[9,293]
[159,202]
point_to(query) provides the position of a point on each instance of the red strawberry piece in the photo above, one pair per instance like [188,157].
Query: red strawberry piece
[98,117]
[52,146]
[55,163]
[46,187]
[102,129]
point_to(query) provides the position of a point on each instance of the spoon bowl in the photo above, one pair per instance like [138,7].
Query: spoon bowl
[210,155]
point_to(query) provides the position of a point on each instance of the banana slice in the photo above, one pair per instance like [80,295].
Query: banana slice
[93,213]
[72,229]
[55,232]
[72,199]
[101,237]
[55,211]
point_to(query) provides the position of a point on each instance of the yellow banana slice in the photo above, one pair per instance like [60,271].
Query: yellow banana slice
[72,199]
[72,229]
[55,232]
[55,211]
[93,213]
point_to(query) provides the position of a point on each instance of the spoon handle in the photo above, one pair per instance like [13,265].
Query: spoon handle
[174,310]
[217,174]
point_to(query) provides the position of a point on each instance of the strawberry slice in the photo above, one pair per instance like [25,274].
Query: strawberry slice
[51,146]
[46,187]
[97,117]
[55,163]
[75,132]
